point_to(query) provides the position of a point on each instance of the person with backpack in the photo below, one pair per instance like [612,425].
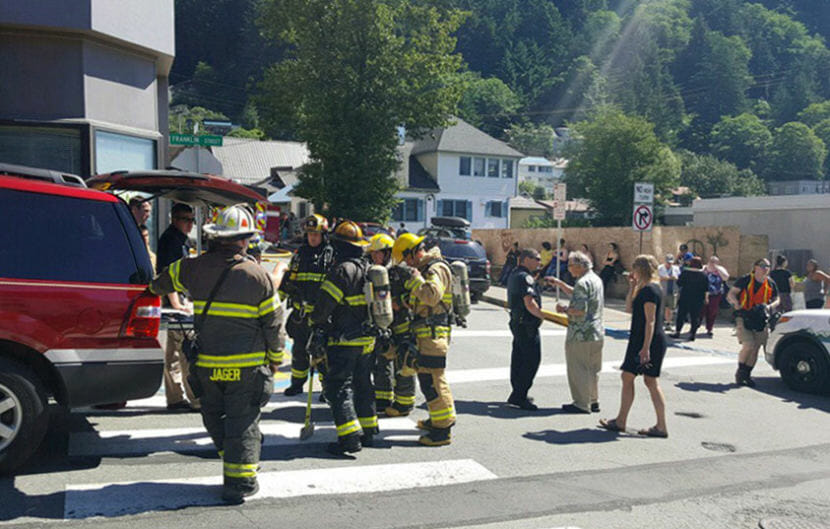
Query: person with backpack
[753,296]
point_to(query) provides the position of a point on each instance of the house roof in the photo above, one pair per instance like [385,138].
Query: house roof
[463,137]
[521,202]
[577,204]
[250,161]
[536,160]
[419,178]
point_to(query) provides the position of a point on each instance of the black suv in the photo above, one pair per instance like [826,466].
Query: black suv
[452,236]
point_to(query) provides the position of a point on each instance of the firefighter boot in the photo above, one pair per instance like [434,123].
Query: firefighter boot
[397,410]
[436,437]
[425,424]
[234,496]
[296,388]
[349,444]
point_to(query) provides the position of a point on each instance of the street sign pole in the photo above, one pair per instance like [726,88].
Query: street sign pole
[558,255]
[560,193]
[642,217]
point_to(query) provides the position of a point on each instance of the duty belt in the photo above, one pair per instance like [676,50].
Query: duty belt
[435,326]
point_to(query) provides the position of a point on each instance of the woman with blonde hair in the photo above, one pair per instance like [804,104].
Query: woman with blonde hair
[646,346]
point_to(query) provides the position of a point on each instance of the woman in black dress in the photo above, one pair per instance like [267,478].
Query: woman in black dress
[694,293]
[612,258]
[646,346]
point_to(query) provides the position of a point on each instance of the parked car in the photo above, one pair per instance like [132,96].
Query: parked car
[799,348]
[446,227]
[370,229]
[478,266]
[76,322]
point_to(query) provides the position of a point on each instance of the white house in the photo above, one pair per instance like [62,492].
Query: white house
[541,171]
[457,171]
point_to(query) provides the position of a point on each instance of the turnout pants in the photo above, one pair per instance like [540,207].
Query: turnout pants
[432,364]
[349,390]
[524,358]
[231,401]
[176,370]
[584,362]
[300,361]
[391,386]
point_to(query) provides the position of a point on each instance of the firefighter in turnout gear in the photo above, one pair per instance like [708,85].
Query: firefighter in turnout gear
[235,319]
[430,297]
[301,285]
[342,342]
[394,391]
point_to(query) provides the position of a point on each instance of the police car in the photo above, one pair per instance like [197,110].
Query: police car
[799,348]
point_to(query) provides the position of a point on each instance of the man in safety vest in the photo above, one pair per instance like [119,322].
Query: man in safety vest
[342,342]
[430,297]
[301,285]
[235,307]
[753,296]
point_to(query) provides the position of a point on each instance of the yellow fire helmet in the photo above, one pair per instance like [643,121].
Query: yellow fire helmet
[349,232]
[405,244]
[380,242]
[316,222]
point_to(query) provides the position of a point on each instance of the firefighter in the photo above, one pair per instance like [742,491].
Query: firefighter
[235,305]
[430,296]
[394,391]
[301,285]
[342,342]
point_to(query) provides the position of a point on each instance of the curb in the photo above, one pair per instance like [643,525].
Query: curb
[555,317]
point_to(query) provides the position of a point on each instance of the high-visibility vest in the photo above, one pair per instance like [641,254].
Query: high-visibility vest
[750,297]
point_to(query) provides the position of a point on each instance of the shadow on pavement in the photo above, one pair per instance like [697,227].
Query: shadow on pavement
[772,386]
[17,504]
[583,435]
[500,410]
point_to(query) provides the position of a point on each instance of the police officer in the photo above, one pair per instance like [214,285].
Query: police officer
[235,306]
[301,285]
[342,342]
[430,297]
[525,301]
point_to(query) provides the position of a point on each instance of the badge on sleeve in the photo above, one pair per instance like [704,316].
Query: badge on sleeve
[529,279]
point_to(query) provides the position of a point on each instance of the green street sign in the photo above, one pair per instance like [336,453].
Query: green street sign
[206,140]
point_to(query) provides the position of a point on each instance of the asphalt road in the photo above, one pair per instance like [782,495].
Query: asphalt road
[734,456]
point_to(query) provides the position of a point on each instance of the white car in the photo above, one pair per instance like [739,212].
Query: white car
[799,348]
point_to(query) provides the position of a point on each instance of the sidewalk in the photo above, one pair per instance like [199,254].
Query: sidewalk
[617,323]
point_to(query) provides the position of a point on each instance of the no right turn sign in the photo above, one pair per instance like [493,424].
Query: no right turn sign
[643,217]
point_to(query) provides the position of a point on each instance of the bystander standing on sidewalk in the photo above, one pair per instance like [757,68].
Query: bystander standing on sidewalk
[815,286]
[511,260]
[646,346]
[717,276]
[693,294]
[753,296]
[609,265]
[784,281]
[583,344]
[668,272]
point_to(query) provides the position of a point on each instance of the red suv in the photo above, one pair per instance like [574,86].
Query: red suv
[75,321]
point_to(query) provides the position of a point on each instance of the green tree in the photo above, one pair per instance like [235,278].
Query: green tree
[796,153]
[814,113]
[355,71]
[487,104]
[709,177]
[182,118]
[822,130]
[253,134]
[742,140]
[527,187]
[531,139]
[613,152]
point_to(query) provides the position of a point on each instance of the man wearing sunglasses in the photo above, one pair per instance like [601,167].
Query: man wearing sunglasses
[174,245]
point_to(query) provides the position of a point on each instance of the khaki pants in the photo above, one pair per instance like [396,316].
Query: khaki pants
[584,362]
[751,342]
[432,364]
[176,369]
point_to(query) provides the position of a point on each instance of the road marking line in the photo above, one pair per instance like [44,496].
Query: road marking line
[196,439]
[133,497]
[468,333]
[460,376]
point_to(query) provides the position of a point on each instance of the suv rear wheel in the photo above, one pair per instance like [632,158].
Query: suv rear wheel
[804,367]
[23,414]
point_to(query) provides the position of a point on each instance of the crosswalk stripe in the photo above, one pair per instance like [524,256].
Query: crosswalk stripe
[470,333]
[119,499]
[196,439]
[460,376]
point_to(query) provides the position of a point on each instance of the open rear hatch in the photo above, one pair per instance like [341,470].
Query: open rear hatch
[180,186]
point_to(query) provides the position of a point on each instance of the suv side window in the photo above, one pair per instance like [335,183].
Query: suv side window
[64,239]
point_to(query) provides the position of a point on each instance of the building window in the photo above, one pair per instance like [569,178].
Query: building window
[456,208]
[478,166]
[114,152]
[409,210]
[495,208]
[492,167]
[464,166]
[507,168]
[303,209]
[53,148]
[531,168]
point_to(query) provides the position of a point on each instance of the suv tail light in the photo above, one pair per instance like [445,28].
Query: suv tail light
[145,317]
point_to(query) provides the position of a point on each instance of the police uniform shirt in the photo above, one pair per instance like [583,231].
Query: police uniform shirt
[521,284]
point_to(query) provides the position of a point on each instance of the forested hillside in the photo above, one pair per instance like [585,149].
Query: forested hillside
[740,82]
